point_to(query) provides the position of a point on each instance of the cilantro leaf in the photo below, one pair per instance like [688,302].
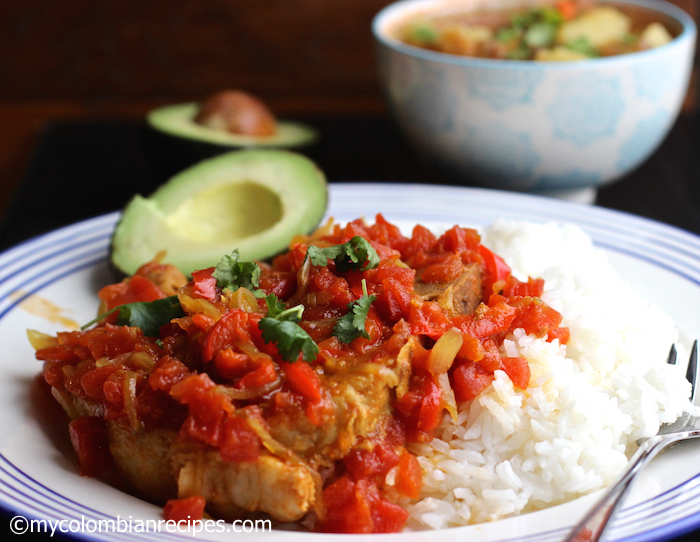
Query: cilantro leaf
[320,256]
[280,327]
[355,255]
[274,305]
[290,339]
[147,315]
[231,273]
[352,324]
[275,309]
[150,315]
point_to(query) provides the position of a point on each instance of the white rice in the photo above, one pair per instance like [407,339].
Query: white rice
[573,429]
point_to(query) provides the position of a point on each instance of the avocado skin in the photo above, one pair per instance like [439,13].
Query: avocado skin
[297,181]
[174,149]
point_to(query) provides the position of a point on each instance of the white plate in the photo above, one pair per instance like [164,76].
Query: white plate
[37,474]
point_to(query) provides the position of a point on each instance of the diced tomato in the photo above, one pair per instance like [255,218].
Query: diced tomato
[281,283]
[445,270]
[387,234]
[409,478]
[371,463]
[130,290]
[496,271]
[567,8]
[167,372]
[471,348]
[109,341]
[204,284]
[430,413]
[487,320]
[394,296]
[113,390]
[53,373]
[427,318]
[561,333]
[302,379]
[231,364]
[263,373]
[420,408]
[238,441]
[534,316]
[208,410]
[518,370]
[203,321]
[458,240]
[357,507]
[469,380]
[185,510]
[388,517]
[491,358]
[335,289]
[61,352]
[93,381]
[232,326]
[90,440]
[347,509]
[531,288]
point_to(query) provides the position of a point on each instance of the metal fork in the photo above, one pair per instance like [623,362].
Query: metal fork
[592,526]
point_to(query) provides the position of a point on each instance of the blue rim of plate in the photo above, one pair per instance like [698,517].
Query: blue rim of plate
[33,265]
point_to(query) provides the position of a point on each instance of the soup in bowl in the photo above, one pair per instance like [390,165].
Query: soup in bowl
[562,118]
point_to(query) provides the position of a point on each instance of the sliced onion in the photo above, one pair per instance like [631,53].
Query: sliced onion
[40,340]
[201,306]
[129,392]
[318,233]
[250,350]
[243,299]
[404,362]
[103,362]
[448,395]
[443,353]
[302,283]
[142,360]
[238,394]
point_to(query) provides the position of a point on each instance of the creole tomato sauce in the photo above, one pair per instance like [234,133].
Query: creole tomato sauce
[212,379]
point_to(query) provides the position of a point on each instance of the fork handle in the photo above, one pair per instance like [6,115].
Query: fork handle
[592,526]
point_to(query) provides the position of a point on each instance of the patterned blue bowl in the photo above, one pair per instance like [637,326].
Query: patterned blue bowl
[534,126]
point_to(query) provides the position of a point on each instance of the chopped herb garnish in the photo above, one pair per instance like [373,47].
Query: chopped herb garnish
[355,255]
[505,35]
[423,32]
[280,327]
[352,324]
[231,274]
[275,309]
[149,316]
[539,34]
[583,46]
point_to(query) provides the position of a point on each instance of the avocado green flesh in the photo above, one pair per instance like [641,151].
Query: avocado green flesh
[254,201]
[227,213]
[178,120]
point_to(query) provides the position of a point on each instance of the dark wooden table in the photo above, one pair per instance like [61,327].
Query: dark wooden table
[86,168]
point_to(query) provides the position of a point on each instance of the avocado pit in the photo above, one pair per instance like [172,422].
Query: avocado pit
[237,112]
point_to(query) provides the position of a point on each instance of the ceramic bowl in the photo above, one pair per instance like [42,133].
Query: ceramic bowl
[548,127]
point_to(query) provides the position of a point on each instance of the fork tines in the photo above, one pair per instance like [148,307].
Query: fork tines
[692,371]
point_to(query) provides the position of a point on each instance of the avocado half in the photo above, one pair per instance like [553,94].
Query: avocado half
[176,141]
[253,200]
[178,121]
